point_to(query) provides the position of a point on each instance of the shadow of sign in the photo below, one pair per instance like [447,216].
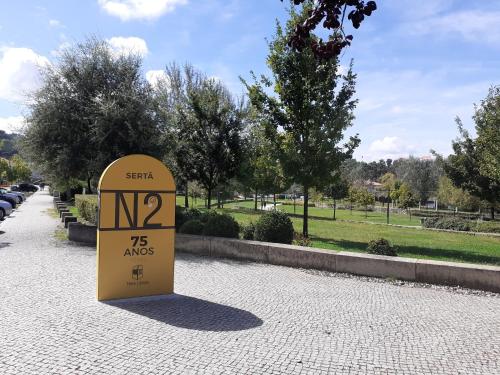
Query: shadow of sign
[191,313]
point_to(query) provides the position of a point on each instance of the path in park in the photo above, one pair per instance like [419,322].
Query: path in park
[227,318]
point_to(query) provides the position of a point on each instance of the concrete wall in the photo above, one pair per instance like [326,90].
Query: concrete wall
[425,271]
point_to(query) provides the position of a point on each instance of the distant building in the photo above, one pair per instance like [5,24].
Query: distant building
[373,186]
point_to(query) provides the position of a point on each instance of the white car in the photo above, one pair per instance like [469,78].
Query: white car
[5,209]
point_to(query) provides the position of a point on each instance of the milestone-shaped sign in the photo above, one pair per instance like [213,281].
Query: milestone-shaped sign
[136,229]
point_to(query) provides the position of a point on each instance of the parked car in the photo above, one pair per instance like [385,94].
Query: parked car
[24,187]
[5,209]
[11,198]
[20,196]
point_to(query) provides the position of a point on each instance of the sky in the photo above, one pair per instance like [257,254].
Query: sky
[419,64]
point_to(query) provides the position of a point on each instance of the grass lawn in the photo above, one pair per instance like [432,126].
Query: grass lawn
[74,211]
[355,215]
[411,242]
[327,213]
[349,236]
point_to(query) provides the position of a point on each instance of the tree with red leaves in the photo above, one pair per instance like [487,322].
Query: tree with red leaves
[332,13]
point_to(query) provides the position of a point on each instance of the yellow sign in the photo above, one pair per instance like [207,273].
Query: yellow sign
[136,229]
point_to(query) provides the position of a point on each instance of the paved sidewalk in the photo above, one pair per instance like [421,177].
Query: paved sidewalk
[227,318]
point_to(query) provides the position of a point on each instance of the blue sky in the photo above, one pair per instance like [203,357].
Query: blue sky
[419,63]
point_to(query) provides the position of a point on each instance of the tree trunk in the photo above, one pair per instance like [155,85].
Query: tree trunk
[209,198]
[388,210]
[274,201]
[255,208]
[305,228]
[186,196]
[88,185]
[294,205]
[334,209]
[409,211]
[218,199]
[492,213]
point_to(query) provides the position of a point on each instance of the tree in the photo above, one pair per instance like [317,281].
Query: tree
[339,189]
[4,170]
[208,122]
[92,108]
[352,196]
[420,175]
[487,119]
[19,169]
[451,195]
[364,198]
[309,113]
[405,198]
[463,167]
[172,95]
[388,181]
[262,170]
[333,11]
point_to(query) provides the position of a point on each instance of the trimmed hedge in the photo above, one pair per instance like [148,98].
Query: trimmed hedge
[221,225]
[248,232]
[487,227]
[192,226]
[274,226]
[87,207]
[450,223]
[183,215]
[381,247]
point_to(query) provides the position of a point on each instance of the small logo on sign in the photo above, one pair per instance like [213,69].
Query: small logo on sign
[137,272]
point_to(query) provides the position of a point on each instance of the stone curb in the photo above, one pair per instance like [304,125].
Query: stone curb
[425,271]
[69,219]
[79,232]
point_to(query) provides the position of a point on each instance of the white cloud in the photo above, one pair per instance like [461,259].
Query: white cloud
[55,23]
[12,124]
[390,148]
[471,25]
[19,73]
[130,45]
[156,76]
[139,9]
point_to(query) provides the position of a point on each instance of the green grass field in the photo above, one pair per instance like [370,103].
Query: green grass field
[354,236]
[314,212]
[354,215]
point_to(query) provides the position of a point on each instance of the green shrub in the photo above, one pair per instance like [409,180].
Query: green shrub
[449,223]
[274,226]
[381,247]
[207,215]
[221,225]
[248,231]
[487,227]
[182,215]
[192,226]
[87,207]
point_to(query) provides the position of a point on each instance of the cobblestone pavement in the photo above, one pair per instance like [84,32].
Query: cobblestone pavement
[226,317]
